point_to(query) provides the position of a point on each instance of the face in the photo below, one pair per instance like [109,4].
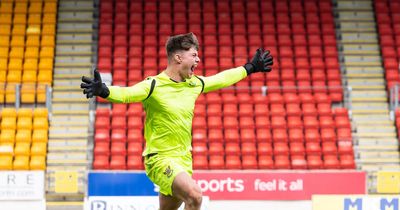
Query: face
[188,61]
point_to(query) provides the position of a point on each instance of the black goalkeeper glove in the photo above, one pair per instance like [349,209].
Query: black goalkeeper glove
[261,62]
[94,87]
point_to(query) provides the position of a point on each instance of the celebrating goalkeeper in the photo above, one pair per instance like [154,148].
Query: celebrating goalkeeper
[168,99]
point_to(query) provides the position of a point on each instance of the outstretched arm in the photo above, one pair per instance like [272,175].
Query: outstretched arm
[95,87]
[261,62]
[223,79]
[135,93]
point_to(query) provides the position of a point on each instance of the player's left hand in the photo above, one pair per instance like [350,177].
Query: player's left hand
[261,62]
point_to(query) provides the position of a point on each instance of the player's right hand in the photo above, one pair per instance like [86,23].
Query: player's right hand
[261,62]
[94,87]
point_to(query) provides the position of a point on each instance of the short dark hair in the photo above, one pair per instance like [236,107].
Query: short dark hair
[181,42]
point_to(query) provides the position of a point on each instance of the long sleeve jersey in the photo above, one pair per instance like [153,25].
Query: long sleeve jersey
[169,109]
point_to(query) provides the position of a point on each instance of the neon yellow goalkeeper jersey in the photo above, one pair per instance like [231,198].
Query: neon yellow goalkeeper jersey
[170,107]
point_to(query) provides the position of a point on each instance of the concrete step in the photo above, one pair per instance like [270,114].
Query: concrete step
[68,50]
[372,134]
[66,168]
[68,149]
[370,105]
[354,5]
[376,129]
[368,87]
[379,160]
[370,94]
[361,52]
[57,120]
[369,117]
[380,167]
[362,58]
[356,15]
[374,147]
[378,154]
[359,36]
[369,111]
[67,162]
[62,132]
[67,142]
[69,76]
[77,5]
[361,47]
[358,41]
[355,26]
[63,28]
[70,108]
[362,64]
[74,39]
[366,99]
[373,123]
[72,60]
[363,75]
[75,16]
[372,70]
[68,95]
[372,82]
[385,141]
[83,71]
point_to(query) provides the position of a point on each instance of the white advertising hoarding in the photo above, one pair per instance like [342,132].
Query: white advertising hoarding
[21,185]
[129,203]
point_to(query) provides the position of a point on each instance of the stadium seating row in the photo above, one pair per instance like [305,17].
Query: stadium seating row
[27,41]
[23,139]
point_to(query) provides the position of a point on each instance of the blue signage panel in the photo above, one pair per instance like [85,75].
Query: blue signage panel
[120,184]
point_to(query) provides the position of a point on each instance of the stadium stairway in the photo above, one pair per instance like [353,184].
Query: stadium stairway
[69,126]
[376,145]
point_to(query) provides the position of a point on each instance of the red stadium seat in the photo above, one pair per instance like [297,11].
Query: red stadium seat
[118,122]
[134,162]
[101,162]
[101,148]
[249,162]
[328,134]
[232,148]
[216,162]
[247,134]
[331,162]
[297,148]
[231,135]
[102,122]
[216,148]
[263,135]
[233,162]
[298,162]
[200,162]
[215,135]
[347,162]
[296,135]
[135,135]
[199,148]
[118,148]
[118,162]
[265,162]
[102,135]
[248,148]
[135,148]
[282,162]
[281,148]
[118,135]
[314,162]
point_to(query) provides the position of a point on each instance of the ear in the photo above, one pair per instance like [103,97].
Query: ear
[178,58]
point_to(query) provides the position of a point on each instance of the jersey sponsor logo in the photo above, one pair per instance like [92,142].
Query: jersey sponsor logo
[168,171]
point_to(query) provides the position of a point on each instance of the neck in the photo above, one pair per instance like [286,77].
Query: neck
[173,73]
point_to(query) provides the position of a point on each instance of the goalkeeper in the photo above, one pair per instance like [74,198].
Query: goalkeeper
[168,99]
